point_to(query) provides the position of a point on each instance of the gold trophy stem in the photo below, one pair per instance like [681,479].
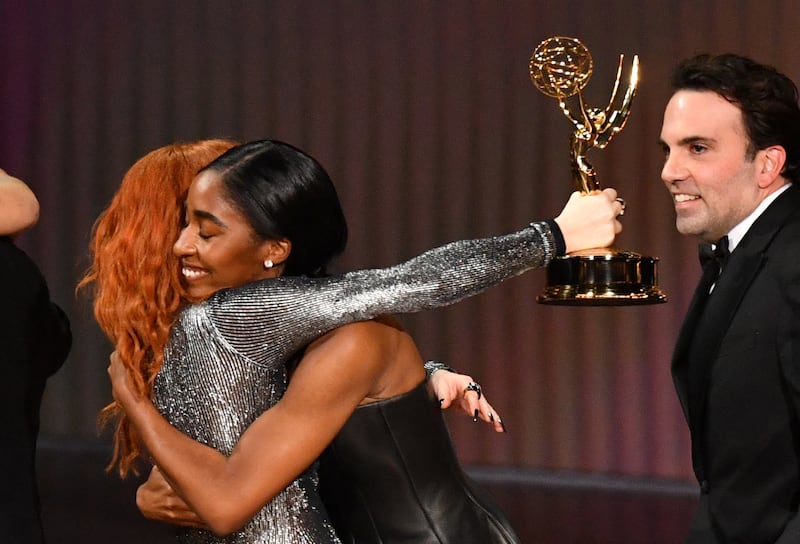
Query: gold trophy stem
[560,67]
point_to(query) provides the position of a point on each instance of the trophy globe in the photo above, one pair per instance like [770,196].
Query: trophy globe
[561,67]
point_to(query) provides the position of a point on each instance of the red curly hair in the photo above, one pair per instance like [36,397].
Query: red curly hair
[134,275]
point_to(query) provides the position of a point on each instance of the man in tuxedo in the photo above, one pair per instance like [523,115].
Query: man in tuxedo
[731,137]
[34,341]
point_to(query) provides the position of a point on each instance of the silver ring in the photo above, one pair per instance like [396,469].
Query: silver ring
[621,203]
[473,386]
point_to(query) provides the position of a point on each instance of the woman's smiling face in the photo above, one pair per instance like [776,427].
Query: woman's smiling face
[217,247]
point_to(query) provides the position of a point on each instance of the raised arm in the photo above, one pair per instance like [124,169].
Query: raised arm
[19,208]
[286,313]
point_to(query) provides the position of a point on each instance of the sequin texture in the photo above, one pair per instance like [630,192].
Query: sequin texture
[224,363]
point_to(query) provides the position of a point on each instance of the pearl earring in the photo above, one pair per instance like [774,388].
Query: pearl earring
[268,263]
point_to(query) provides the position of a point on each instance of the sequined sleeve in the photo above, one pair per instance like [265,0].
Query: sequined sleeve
[271,319]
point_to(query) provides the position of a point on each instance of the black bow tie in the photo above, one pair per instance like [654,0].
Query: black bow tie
[716,255]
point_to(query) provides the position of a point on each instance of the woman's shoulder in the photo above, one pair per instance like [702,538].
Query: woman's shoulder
[381,327]
[361,333]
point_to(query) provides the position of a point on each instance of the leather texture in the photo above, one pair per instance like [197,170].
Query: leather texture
[391,476]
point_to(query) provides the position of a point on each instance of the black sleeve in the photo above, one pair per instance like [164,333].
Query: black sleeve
[561,245]
[34,332]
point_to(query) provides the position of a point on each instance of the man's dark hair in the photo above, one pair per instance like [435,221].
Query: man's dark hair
[767,99]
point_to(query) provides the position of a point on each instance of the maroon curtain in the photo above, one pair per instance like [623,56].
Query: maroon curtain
[424,113]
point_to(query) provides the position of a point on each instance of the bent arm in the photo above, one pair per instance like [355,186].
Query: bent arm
[226,492]
[18,204]
[156,500]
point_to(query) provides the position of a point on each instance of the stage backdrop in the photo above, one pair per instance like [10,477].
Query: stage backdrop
[425,116]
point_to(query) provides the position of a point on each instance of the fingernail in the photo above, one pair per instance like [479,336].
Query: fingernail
[503,425]
[475,417]
[491,417]
[441,401]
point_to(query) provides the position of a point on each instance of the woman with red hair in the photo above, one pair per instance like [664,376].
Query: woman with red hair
[134,276]
[265,218]
[138,292]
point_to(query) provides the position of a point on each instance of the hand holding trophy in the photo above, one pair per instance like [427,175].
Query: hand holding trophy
[561,67]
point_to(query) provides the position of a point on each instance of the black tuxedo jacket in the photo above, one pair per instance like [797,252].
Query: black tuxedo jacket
[736,369]
[34,341]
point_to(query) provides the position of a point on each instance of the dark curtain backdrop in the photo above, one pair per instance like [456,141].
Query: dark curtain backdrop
[425,116]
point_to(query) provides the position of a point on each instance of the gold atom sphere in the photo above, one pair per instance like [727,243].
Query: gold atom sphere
[560,67]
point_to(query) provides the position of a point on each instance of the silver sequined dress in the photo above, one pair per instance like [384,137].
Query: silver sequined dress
[224,363]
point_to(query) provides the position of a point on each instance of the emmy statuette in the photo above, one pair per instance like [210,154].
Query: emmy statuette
[561,67]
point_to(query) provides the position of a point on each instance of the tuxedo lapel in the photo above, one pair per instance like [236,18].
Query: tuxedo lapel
[712,324]
[680,359]
[706,324]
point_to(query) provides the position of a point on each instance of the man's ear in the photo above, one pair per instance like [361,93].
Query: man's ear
[772,161]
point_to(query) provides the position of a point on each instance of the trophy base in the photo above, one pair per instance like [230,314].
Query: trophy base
[602,277]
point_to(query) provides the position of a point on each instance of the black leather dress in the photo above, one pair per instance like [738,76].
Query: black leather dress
[391,476]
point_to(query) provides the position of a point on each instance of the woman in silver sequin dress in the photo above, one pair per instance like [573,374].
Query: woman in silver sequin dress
[224,364]
[137,292]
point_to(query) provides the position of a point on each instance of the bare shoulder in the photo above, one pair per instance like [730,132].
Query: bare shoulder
[377,355]
[353,355]
[363,336]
